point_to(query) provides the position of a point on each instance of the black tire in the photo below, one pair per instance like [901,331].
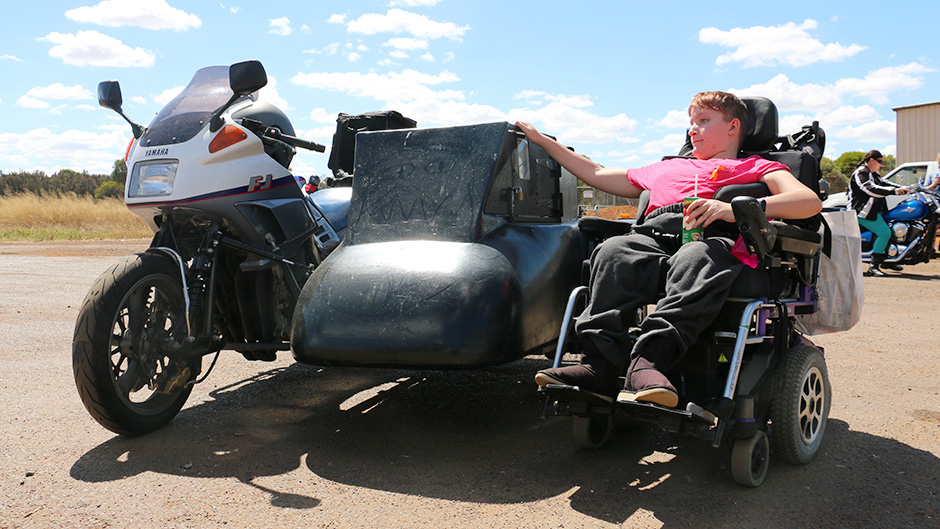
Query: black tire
[133,305]
[591,432]
[800,407]
[750,459]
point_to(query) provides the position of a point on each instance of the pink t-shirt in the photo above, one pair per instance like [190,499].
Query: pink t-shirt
[669,181]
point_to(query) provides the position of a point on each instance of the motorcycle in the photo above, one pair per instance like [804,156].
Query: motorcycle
[459,249]
[913,225]
[235,239]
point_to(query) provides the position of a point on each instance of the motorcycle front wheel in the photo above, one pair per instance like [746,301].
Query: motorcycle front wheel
[127,376]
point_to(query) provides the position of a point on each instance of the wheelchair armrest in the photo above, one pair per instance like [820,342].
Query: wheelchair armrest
[796,240]
[759,235]
[599,228]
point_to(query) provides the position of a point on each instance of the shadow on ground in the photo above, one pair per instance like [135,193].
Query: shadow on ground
[476,436]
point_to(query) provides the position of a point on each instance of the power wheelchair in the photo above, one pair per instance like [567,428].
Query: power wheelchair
[751,381]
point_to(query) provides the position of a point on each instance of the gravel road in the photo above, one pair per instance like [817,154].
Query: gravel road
[287,445]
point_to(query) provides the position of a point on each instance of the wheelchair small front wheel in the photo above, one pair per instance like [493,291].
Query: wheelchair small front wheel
[800,407]
[592,431]
[750,459]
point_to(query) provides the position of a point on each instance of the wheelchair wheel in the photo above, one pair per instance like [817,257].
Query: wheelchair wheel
[800,407]
[750,458]
[592,431]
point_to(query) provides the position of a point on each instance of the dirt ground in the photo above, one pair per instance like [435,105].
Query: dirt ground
[287,445]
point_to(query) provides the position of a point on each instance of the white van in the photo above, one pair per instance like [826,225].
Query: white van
[906,174]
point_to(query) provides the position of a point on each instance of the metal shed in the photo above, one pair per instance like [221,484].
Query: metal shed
[918,132]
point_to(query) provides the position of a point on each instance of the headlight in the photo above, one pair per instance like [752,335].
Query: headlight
[152,179]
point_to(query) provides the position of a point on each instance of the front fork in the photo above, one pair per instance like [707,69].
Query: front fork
[198,289]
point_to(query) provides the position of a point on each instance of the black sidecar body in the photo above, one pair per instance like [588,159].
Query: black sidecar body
[460,251]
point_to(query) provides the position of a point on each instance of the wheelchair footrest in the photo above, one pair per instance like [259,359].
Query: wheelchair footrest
[668,416]
[572,400]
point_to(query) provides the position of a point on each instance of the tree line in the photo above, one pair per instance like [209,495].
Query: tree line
[66,181]
[836,172]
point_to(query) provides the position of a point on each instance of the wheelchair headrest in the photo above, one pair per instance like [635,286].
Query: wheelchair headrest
[762,132]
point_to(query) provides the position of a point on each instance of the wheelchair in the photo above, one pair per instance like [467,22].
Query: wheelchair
[751,381]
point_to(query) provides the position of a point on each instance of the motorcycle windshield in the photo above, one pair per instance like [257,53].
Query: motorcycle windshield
[184,116]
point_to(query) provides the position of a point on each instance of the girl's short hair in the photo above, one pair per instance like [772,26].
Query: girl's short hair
[729,105]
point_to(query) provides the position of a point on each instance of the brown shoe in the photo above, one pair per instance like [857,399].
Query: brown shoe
[594,375]
[645,383]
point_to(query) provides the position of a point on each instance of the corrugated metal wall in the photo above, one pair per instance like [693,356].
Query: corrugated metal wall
[918,132]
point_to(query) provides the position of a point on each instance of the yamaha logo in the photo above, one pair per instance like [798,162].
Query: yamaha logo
[162,151]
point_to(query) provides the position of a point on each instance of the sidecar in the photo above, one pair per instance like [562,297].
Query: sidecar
[460,250]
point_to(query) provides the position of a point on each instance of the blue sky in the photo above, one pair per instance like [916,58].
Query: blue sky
[610,78]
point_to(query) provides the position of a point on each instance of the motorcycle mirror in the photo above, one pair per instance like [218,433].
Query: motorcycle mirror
[247,77]
[109,95]
[244,78]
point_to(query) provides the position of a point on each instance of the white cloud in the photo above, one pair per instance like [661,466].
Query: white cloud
[413,3]
[320,115]
[789,44]
[407,43]
[881,130]
[165,96]
[147,14]
[60,91]
[789,96]
[139,100]
[408,85]
[36,98]
[7,57]
[878,83]
[31,102]
[398,54]
[280,26]
[670,143]
[439,113]
[675,119]
[428,57]
[75,149]
[305,29]
[571,115]
[329,49]
[91,48]
[399,21]
[270,95]
[336,19]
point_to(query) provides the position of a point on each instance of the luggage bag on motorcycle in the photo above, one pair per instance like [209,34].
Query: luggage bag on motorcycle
[342,156]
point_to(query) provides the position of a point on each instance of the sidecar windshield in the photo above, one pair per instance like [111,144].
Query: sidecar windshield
[185,115]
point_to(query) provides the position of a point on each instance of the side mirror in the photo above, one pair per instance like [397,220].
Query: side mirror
[109,95]
[247,77]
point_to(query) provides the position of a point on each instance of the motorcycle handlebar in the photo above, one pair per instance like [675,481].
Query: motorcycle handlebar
[275,133]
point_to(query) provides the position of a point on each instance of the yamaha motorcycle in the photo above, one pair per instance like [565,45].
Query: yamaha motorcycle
[913,226]
[235,240]
[459,250]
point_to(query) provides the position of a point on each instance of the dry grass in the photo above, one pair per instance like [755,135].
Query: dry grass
[29,217]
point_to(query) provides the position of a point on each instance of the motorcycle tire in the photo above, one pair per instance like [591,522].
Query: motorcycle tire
[121,377]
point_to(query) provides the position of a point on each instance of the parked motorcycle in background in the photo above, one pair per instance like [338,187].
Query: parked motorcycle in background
[235,240]
[913,225]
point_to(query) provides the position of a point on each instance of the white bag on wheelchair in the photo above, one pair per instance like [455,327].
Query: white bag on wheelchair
[840,289]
